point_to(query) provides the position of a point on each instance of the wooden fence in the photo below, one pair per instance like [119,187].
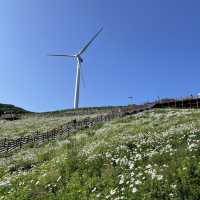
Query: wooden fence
[7,145]
[188,102]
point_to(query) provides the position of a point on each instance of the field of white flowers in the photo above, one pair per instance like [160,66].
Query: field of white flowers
[151,155]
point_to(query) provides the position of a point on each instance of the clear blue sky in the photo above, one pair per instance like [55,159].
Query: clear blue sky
[148,48]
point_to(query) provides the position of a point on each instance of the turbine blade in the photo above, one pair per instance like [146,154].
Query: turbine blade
[65,55]
[88,44]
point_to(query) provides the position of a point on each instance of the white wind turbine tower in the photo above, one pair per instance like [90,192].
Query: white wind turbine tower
[78,68]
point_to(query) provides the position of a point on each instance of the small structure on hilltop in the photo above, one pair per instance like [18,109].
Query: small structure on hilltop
[9,115]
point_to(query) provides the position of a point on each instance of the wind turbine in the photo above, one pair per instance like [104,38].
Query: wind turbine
[79,60]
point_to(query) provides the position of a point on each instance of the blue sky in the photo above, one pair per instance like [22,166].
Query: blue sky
[148,48]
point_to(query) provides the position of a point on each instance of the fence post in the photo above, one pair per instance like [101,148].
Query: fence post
[20,142]
[7,148]
[4,143]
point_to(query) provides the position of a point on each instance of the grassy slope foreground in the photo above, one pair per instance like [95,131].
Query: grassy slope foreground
[151,155]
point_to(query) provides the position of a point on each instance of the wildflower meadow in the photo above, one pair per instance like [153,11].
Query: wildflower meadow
[150,155]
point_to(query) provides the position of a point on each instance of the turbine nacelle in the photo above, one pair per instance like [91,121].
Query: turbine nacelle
[79,58]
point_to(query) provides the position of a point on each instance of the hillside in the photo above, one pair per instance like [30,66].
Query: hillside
[9,107]
[150,155]
[30,122]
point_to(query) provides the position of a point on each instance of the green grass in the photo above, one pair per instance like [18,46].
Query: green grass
[150,155]
[30,123]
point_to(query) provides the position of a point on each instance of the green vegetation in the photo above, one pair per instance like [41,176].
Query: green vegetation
[30,123]
[9,107]
[151,155]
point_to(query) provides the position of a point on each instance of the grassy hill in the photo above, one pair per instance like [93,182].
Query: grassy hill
[151,155]
[41,122]
[31,123]
[9,107]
